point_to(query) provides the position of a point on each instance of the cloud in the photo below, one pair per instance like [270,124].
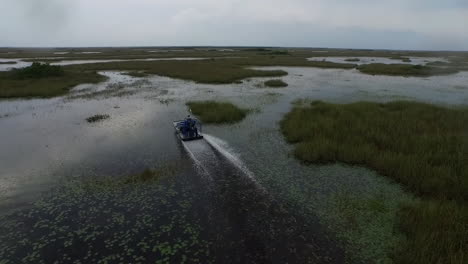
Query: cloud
[427,24]
[44,14]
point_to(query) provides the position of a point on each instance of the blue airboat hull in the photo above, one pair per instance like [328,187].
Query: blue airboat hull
[182,136]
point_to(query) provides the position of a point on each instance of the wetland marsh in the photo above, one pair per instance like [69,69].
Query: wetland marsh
[125,189]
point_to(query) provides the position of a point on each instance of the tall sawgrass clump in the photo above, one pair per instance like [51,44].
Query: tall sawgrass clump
[353,60]
[43,80]
[38,70]
[423,147]
[277,83]
[217,112]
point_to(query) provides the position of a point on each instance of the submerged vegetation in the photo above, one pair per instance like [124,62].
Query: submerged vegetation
[148,176]
[276,83]
[143,218]
[217,112]
[97,118]
[353,59]
[423,147]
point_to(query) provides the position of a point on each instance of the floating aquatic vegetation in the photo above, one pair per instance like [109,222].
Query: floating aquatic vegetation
[138,218]
[97,118]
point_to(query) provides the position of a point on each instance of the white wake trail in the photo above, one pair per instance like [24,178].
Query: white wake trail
[198,163]
[223,147]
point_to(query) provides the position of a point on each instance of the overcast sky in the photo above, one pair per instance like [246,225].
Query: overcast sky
[392,24]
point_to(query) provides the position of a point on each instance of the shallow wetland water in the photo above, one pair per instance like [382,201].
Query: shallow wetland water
[236,197]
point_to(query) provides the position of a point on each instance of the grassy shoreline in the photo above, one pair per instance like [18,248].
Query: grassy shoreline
[421,146]
[206,71]
[217,112]
[45,87]
[276,83]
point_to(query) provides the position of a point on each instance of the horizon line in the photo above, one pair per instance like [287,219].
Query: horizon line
[220,46]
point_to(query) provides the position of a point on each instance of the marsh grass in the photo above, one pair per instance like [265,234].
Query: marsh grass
[436,230]
[401,58]
[421,146]
[218,71]
[257,50]
[279,52]
[404,70]
[109,53]
[353,59]
[97,118]
[12,87]
[7,62]
[217,112]
[37,71]
[277,83]
[330,65]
